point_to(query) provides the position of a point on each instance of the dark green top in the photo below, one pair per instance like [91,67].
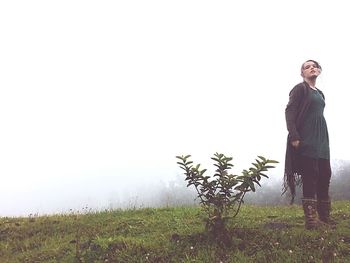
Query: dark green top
[313,131]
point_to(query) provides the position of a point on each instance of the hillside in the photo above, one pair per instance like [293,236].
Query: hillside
[259,234]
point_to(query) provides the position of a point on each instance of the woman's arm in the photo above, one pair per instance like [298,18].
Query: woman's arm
[291,114]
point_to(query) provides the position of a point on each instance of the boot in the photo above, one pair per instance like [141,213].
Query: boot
[323,209]
[310,212]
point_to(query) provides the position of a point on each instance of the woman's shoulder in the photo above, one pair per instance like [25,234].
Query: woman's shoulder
[299,88]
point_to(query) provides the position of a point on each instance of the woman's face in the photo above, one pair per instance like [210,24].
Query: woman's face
[310,70]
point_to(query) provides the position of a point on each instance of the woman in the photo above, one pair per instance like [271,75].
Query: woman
[308,154]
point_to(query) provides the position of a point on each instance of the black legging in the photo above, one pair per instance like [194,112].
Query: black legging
[316,176]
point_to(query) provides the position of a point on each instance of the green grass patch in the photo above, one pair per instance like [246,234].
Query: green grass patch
[259,234]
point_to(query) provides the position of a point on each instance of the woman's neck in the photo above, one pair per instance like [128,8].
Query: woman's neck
[311,82]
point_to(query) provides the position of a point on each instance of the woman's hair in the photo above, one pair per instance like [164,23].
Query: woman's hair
[314,61]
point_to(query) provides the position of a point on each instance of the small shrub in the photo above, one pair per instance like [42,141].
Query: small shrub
[221,196]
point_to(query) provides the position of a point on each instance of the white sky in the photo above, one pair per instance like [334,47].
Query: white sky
[98,97]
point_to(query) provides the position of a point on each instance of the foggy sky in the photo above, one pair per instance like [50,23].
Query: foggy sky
[97,98]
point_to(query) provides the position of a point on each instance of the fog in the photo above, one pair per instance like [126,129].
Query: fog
[97,99]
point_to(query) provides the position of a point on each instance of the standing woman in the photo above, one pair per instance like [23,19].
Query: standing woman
[307,152]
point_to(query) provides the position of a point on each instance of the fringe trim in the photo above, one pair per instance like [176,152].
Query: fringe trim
[291,181]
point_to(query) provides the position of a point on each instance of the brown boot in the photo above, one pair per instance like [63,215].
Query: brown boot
[323,209]
[310,212]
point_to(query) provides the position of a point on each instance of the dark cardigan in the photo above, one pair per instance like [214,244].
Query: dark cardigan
[298,104]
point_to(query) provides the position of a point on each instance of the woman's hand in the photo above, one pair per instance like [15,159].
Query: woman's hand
[295,144]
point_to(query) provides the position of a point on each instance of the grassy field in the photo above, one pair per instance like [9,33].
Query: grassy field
[259,234]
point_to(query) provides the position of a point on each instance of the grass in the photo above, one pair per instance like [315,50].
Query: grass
[259,234]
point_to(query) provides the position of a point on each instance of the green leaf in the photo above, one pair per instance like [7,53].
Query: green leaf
[215,159]
[257,182]
[203,171]
[227,159]
[262,158]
